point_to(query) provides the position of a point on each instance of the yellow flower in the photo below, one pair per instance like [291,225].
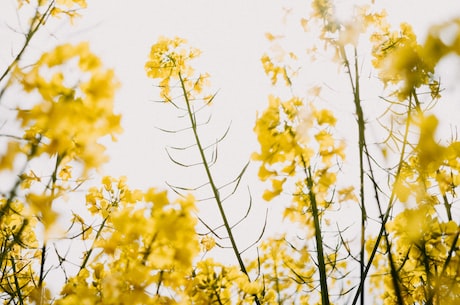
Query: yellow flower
[277,188]
[71,3]
[325,116]
[207,242]
[71,117]
[169,61]
[430,153]
[253,288]
[28,178]
[42,207]
[12,151]
[65,173]
[347,194]
[401,60]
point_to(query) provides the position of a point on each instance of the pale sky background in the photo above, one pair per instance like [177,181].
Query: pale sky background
[231,36]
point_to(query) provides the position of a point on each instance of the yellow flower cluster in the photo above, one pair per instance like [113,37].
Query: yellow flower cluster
[66,3]
[339,33]
[18,249]
[427,257]
[143,251]
[398,57]
[207,243]
[169,61]
[281,262]
[56,8]
[284,131]
[69,115]
[214,283]
[401,60]
[432,164]
[425,240]
[274,71]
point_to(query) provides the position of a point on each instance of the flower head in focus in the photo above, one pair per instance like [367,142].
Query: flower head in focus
[169,61]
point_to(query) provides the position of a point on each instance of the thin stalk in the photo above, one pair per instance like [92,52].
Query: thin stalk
[11,196]
[16,282]
[90,251]
[318,237]
[42,267]
[386,216]
[277,283]
[361,147]
[160,280]
[34,26]
[214,188]
[429,291]
[394,272]
[362,143]
[448,207]
[444,268]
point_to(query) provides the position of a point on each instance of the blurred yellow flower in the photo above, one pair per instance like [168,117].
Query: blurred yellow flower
[72,115]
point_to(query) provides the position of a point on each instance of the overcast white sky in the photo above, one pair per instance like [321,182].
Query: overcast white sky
[231,36]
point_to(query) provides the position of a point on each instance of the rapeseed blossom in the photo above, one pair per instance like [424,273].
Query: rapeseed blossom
[69,117]
[170,62]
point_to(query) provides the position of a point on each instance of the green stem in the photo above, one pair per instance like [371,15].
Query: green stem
[214,188]
[11,196]
[429,292]
[90,251]
[318,238]
[362,143]
[42,267]
[394,272]
[34,26]
[441,276]
[16,282]
[391,202]
[361,147]
[448,207]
